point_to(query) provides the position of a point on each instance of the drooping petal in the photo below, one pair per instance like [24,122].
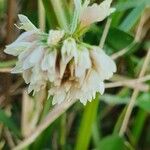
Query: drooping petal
[95,13]
[18,68]
[49,60]
[24,54]
[87,91]
[68,51]
[22,43]
[91,86]
[83,62]
[38,79]
[49,65]
[16,48]
[102,63]
[34,58]
[28,36]
[58,94]
[27,75]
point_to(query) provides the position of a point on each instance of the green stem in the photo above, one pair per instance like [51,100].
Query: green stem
[60,14]
[41,15]
[119,121]
[50,15]
[85,128]
[9,63]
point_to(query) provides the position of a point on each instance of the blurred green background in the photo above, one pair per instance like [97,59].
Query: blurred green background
[96,125]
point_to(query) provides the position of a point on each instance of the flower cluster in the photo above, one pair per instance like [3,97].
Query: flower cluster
[70,68]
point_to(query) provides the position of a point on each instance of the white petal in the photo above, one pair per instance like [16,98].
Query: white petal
[26,24]
[49,61]
[103,63]
[36,55]
[91,85]
[24,54]
[55,36]
[84,95]
[27,75]
[49,65]
[16,48]
[83,62]
[68,51]
[18,68]
[59,98]
[96,13]
[22,43]
[58,94]
[63,65]
[38,79]
[45,65]
[69,48]
[30,88]
[33,58]
[28,36]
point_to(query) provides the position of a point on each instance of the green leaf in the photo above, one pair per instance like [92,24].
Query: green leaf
[115,34]
[144,102]
[8,122]
[85,128]
[112,142]
[121,6]
[123,39]
[132,18]
[117,16]
[114,99]
[45,140]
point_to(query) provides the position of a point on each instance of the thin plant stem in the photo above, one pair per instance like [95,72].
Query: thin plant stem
[132,83]
[5,70]
[133,97]
[63,131]
[103,39]
[51,117]
[41,14]
[60,14]
[123,51]
[140,28]
[5,64]
[9,138]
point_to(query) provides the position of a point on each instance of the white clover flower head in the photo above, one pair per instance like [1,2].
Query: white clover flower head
[69,68]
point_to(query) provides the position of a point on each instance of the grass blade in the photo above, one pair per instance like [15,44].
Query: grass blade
[85,129]
[8,122]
